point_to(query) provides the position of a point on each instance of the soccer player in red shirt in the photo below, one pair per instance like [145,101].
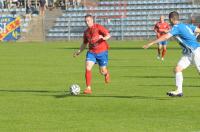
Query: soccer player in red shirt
[160,29]
[95,37]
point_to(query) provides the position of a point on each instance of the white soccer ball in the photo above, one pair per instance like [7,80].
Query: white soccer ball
[74,89]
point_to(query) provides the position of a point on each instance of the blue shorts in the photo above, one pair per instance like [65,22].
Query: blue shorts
[100,58]
[163,43]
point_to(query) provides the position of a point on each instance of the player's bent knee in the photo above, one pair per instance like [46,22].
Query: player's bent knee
[178,69]
[88,68]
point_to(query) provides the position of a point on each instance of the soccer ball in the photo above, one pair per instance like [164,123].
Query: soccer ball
[74,89]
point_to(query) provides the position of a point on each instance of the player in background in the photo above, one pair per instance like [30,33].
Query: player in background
[185,34]
[161,28]
[95,37]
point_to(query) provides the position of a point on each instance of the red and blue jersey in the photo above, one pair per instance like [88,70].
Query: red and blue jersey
[160,28]
[91,37]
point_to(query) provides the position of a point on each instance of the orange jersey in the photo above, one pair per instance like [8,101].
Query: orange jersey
[161,28]
[91,37]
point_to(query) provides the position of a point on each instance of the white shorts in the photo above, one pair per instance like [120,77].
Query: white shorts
[193,58]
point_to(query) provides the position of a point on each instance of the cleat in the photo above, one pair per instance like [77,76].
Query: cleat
[175,94]
[87,91]
[107,78]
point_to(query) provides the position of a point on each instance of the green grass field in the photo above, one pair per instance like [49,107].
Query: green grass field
[34,81]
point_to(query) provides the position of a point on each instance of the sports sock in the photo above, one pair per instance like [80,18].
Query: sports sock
[88,77]
[179,81]
[164,52]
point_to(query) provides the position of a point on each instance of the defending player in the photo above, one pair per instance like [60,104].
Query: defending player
[95,37]
[185,34]
[161,28]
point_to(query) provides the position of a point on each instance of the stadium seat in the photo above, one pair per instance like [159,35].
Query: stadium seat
[141,15]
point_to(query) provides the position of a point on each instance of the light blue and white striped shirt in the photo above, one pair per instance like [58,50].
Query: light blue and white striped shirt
[184,33]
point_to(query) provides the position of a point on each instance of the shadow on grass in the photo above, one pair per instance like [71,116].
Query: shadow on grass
[137,66]
[65,94]
[126,97]
[171,86]
[29,91]
[148,76]
[114,96]
[151,76]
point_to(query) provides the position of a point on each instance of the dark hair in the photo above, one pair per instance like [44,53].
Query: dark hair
[174,15]
[88,15]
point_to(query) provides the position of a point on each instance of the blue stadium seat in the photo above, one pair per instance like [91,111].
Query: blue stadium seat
[141,16]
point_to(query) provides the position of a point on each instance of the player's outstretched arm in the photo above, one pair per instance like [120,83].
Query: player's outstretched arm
[163,38]
[82,47]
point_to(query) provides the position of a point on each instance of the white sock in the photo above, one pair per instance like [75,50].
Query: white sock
[179,81]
